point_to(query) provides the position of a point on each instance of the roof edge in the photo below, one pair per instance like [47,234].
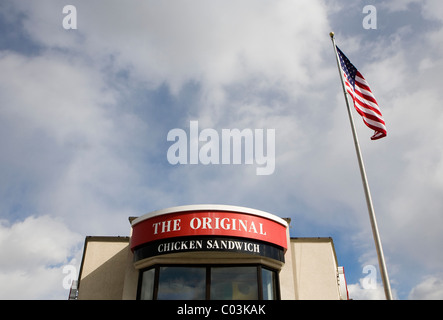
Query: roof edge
[210,207]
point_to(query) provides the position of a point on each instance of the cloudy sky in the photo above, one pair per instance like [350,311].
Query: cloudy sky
[85,114]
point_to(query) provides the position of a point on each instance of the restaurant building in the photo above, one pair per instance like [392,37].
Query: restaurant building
[209,252]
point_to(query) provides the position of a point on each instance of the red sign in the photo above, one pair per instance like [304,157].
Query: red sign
[211,223]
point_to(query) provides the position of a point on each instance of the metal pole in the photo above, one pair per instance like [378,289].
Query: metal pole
[375,234]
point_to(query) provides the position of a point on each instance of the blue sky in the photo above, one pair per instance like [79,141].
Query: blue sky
[84,116]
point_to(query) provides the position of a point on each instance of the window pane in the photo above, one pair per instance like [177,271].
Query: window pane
[147,290]
[182,283]
[268,283]
[234,283]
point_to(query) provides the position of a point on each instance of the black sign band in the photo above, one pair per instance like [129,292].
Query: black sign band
[205,243]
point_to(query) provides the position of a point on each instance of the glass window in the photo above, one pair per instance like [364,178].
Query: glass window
[182,283]
[147,291]
[269,286]
[234,283]
[199,282]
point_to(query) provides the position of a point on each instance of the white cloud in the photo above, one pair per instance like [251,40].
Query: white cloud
[43,240]
[33,253]
[63,135]
[433,9]
[359,292]
[215,43]
[431,288]
[56,95]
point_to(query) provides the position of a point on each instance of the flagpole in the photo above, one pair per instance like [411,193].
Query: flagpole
[375,233]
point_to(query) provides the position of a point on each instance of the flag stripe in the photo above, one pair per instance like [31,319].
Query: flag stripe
[371,119]
[371,125]
[367,106]
[367,95]
[364,100]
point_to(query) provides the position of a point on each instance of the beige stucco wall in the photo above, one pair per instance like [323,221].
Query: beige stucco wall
[314,267]
[102,272]
[286,275]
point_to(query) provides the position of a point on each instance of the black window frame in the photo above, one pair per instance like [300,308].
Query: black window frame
[208,268]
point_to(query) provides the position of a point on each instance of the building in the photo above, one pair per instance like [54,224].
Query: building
[202,252]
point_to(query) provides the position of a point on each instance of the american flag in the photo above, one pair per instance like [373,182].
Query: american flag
[364,100]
